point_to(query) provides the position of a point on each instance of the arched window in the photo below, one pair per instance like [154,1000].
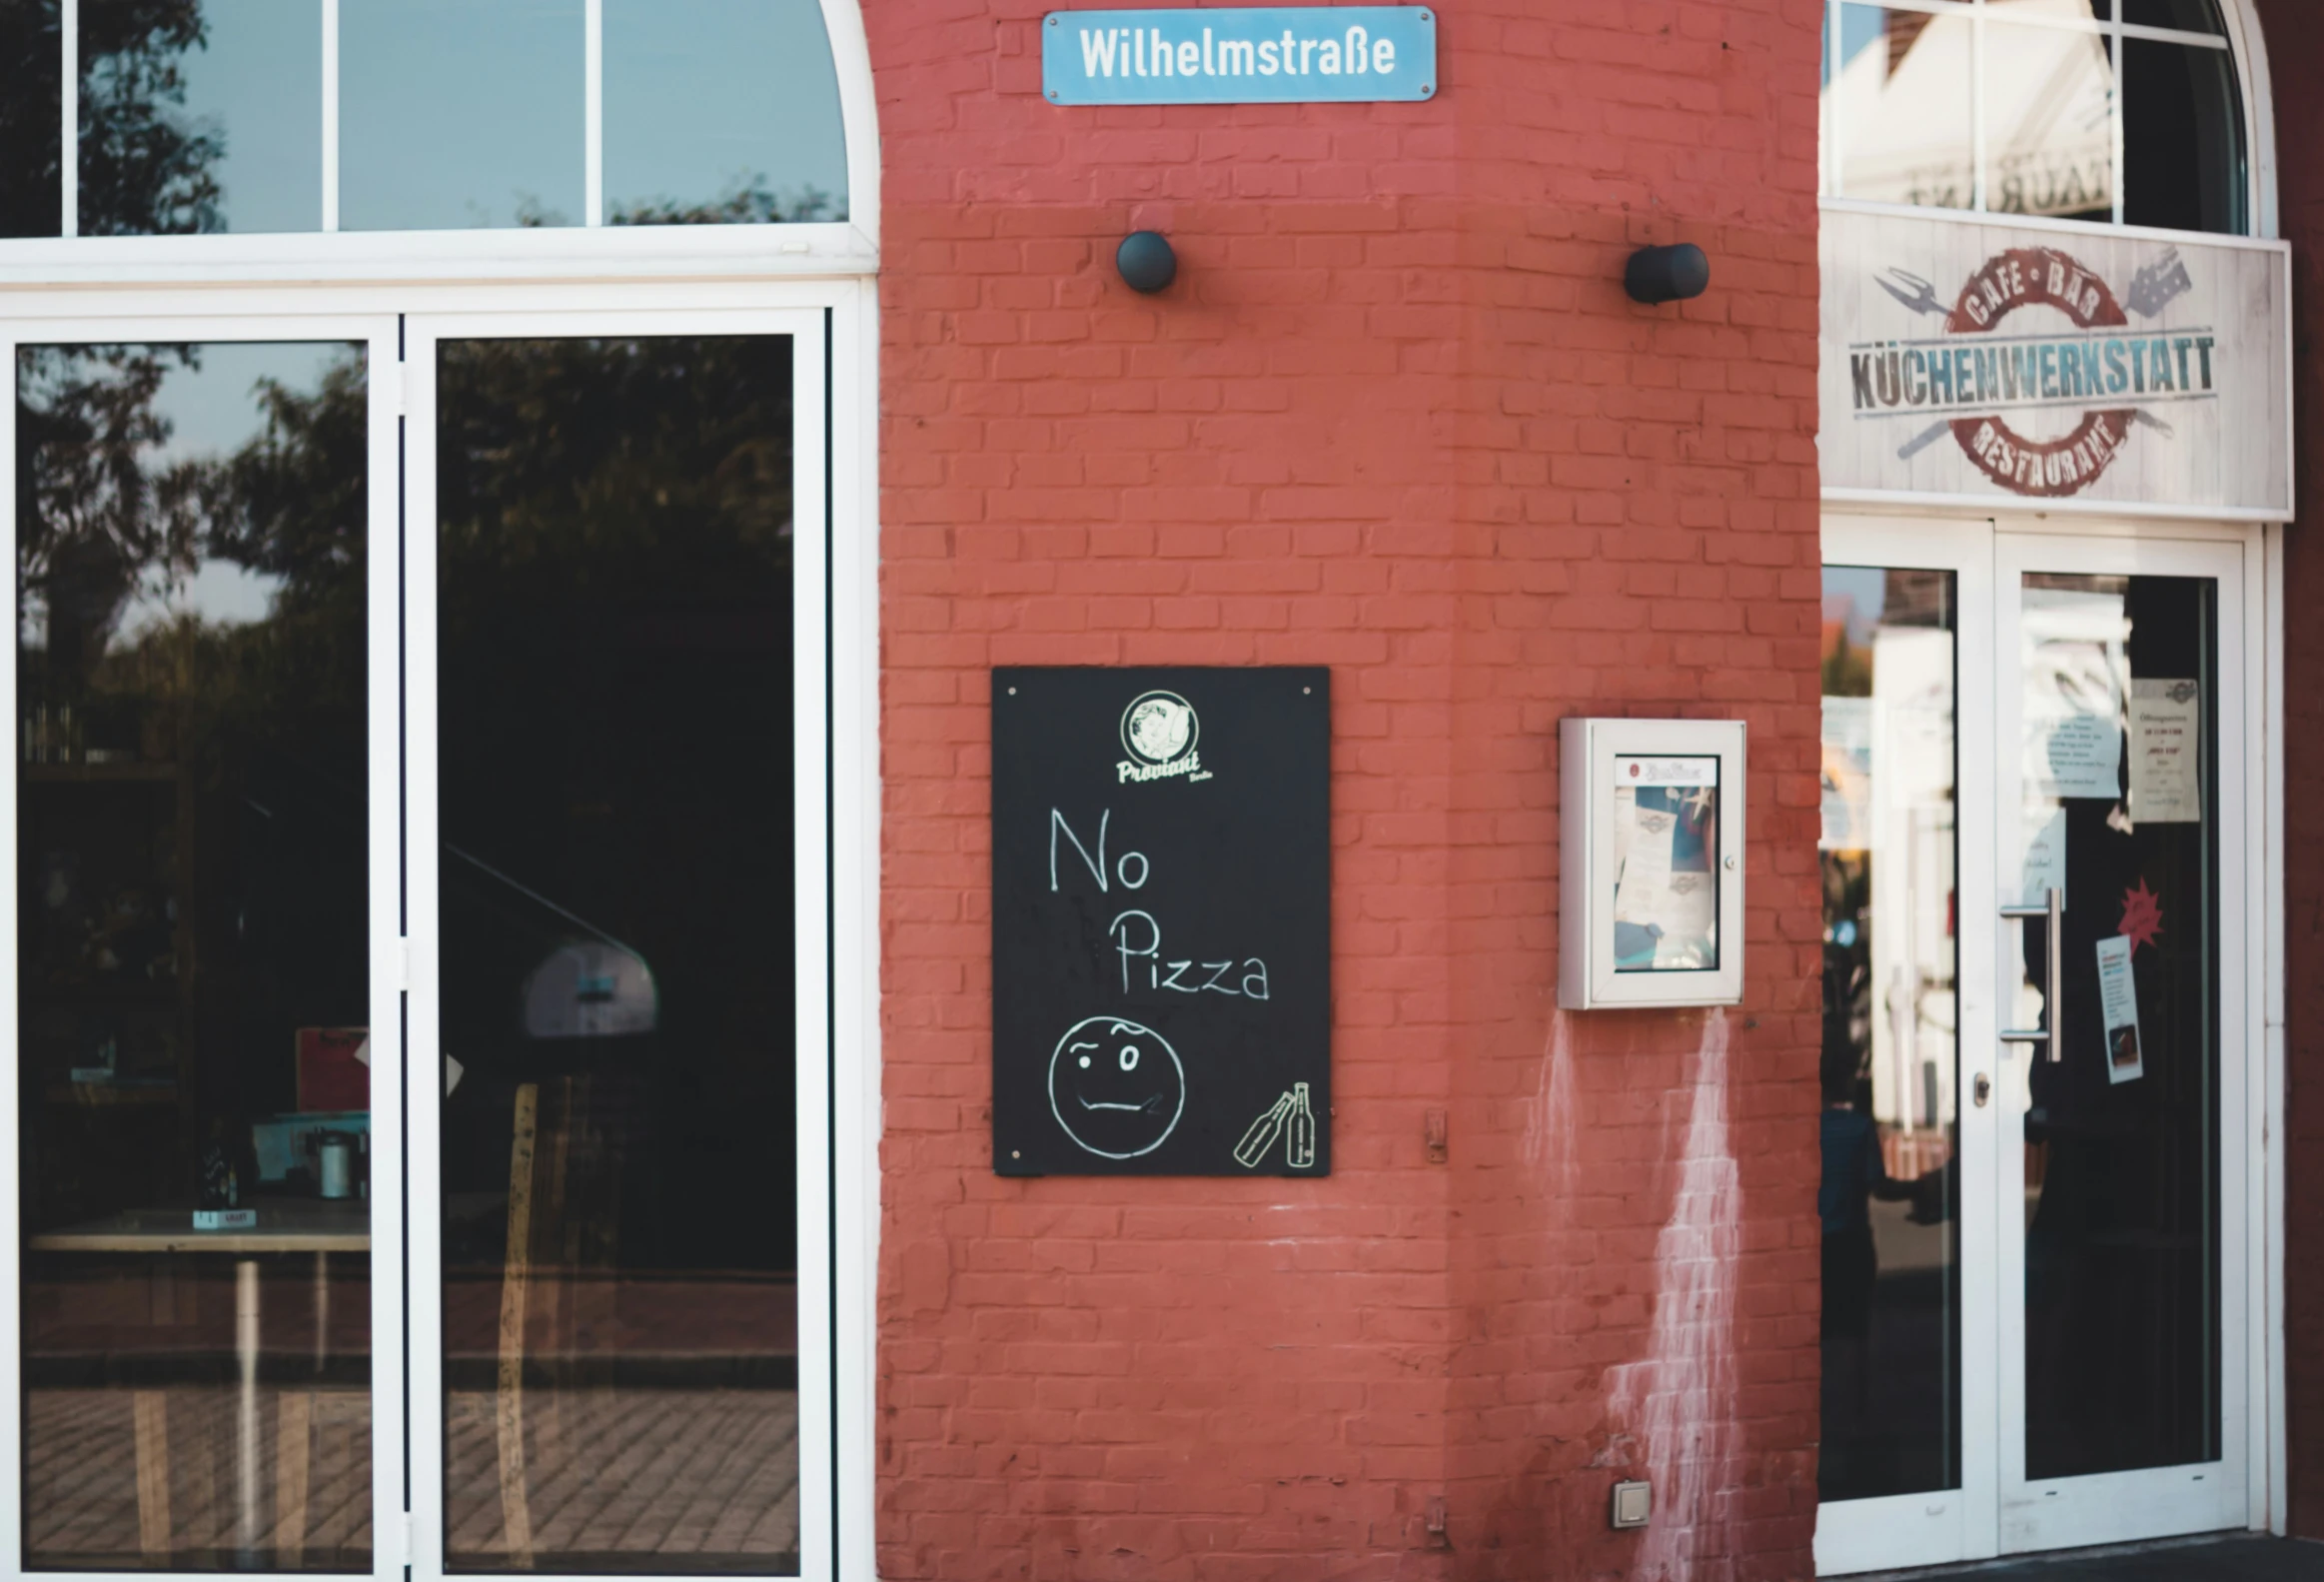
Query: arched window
[282,116]
[2111,111]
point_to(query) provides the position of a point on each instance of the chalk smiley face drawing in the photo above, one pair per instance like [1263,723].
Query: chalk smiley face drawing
[1116,1087]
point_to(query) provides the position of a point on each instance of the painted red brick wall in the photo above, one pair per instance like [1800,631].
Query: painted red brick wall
[2295,41]
[1396,417]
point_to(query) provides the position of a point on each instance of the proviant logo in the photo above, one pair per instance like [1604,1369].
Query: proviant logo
[1996,368]
[1159,733]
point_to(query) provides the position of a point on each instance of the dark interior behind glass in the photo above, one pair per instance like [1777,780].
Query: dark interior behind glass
[2122,1345]
[192,795]
[620,1167]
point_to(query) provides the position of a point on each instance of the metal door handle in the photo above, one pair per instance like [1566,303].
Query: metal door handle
[2053,909]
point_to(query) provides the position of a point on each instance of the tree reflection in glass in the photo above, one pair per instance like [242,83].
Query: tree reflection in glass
[620,1206]
[192,904]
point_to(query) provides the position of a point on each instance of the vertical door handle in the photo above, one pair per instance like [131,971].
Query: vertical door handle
[2053,909]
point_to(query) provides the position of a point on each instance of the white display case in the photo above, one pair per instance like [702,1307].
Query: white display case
[1650,883]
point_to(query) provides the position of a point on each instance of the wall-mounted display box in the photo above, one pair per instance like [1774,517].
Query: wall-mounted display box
[1651,909]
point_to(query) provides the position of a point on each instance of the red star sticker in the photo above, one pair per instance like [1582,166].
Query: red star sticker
[2142,916]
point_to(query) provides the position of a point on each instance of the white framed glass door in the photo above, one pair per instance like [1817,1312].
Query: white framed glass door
[421,717]
[1911,1407]
[2034,1271]
[2120,687]
[201,1324]
[619,928]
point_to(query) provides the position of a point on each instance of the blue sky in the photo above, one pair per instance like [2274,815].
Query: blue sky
[463,112]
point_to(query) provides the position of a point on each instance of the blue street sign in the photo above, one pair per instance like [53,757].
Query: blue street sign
[1255,55]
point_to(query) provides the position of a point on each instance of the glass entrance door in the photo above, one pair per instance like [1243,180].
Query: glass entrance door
[619,1171]
[2123,979]
[202,1308]
[2033,1267]
[419,718]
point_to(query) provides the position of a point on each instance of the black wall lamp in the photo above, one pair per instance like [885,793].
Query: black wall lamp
[1146,261]
[1667,274]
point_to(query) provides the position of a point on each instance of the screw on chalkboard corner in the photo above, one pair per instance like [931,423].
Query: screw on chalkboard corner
[1015,1154]
[1012,691]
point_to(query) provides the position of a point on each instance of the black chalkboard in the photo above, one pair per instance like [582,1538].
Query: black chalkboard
[1161,921]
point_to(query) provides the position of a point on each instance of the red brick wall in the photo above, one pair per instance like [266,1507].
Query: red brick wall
[2295,41]
[1396,417]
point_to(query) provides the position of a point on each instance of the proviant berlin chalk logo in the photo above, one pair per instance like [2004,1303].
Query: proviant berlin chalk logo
[1994,371]
[1159,733]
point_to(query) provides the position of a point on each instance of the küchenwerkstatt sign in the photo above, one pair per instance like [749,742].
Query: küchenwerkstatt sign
[2053,367]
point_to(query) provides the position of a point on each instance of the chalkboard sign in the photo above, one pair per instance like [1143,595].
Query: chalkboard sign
[1161,921]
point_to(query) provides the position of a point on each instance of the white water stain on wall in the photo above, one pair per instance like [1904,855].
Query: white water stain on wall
[1679,1401]
[1549,1121]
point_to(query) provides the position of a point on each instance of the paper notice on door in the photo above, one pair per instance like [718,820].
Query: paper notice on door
[2073,694]
[2044,869]
[2118,1001]
[2166,733]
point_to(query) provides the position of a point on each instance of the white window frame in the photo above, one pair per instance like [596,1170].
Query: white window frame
[2240,40]
[591,248]
[837,798]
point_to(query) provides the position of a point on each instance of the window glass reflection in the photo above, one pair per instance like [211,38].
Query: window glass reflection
[2049,120]
[460,113]
[1902,99]
[32,64]
[720,111]
[200,117]
[191,957]
[2082,118]
[2182,138]
[621,1223]
[2187,16]
[1890,1196]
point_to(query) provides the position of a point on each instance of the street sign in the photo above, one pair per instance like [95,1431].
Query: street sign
[1249,55]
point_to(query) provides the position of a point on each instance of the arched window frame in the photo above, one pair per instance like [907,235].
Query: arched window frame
[593,249]
[2246,47]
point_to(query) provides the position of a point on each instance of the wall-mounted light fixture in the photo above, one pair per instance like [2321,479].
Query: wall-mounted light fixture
[1667,274]
[1146,261]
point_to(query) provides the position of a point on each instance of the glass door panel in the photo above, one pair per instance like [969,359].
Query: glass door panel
[195,941]
[618,1176]
[2120,1335]
[1890,1195]
[1907,1473]
[2121,697]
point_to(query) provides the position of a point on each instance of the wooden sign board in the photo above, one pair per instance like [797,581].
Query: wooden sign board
[2058,366]
[1161,921]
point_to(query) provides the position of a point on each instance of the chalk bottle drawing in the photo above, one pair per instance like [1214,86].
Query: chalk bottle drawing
[1261,1136]
[1301,1144]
